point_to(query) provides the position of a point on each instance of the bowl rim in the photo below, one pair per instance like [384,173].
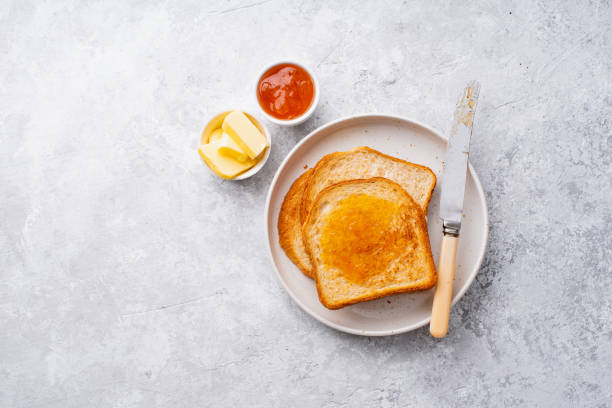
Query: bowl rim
[305,115]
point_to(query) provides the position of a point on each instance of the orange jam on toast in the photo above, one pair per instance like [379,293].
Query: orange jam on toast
[363,236]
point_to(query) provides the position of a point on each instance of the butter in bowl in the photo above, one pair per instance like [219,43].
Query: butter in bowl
[235,145]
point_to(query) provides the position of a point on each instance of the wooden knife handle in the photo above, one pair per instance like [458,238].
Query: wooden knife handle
[444,288]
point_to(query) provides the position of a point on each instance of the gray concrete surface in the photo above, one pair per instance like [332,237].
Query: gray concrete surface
[131,277]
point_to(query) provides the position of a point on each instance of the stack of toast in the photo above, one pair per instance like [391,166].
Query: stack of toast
[355,223]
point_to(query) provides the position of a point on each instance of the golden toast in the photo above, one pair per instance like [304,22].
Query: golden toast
[290,227]
[367,239]
[361,162]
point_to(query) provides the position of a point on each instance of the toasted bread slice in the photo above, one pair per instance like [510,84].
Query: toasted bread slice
[362,163]
[290,227]
[367,239]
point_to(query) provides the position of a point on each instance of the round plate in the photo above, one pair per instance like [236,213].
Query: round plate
[408,140]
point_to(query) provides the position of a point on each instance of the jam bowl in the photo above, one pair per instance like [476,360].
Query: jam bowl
[287,93]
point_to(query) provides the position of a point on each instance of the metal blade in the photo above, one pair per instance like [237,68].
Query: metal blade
[457,154]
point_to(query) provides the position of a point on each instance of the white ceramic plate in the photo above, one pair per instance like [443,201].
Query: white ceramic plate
[408,140]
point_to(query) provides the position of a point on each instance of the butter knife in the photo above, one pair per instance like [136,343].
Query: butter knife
[451,205]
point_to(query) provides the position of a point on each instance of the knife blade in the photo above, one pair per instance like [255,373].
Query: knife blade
[451,205]
[457,154]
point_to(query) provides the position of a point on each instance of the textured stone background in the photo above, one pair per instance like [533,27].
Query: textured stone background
[131,277]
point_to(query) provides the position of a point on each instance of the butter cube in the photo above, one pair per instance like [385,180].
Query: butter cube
[224,166]
[229,148]
[245,134]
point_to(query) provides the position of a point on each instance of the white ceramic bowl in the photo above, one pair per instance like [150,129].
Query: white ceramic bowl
[216,123]
[305,115]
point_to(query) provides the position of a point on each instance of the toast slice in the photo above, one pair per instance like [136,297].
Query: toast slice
[367,239]
[363,163]
[290,227]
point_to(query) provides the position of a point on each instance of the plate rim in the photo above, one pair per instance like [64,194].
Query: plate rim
[345,329]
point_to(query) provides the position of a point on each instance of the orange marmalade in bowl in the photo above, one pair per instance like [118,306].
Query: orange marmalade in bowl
[286,91]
